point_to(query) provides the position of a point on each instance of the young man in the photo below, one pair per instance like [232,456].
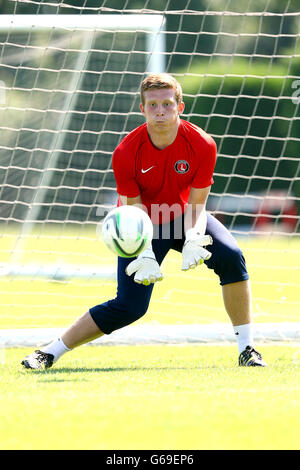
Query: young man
[168,163]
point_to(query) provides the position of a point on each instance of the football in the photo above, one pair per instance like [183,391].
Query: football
[127,231]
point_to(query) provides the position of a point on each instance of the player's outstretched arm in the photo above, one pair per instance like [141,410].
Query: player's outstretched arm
[145,268]
[193,252]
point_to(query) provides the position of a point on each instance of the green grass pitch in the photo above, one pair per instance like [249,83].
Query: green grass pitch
[152,397]
[149,397]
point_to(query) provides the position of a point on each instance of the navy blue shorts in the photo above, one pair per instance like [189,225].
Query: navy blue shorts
[133,299]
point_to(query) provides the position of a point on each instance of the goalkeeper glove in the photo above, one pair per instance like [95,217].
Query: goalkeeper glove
[146,268]
[193,253]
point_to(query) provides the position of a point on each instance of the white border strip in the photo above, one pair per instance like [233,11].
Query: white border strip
[156,334]
[58,272]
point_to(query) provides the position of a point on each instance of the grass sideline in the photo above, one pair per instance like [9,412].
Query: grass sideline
[152,397]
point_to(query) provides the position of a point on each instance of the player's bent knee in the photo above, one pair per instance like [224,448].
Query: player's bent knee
[113,315]
[233,255]
[231,266]
[135,315]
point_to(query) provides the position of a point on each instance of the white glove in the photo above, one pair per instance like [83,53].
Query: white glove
[146,268]
[193,253]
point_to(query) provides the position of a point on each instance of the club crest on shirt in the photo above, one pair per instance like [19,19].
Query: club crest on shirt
[182,166]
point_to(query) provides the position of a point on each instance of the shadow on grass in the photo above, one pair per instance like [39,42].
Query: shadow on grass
[85,370]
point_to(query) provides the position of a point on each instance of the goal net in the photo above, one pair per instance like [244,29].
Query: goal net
[69,92]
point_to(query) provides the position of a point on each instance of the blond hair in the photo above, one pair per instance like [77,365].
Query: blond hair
[158,81]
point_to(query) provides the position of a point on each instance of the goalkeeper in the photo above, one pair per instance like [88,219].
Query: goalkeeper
[168,163]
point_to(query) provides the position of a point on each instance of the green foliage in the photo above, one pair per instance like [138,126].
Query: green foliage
[249,111]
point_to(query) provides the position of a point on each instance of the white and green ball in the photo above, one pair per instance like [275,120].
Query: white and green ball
[127,231]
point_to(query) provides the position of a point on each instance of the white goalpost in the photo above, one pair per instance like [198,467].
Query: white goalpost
[89,26]
[69,92]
